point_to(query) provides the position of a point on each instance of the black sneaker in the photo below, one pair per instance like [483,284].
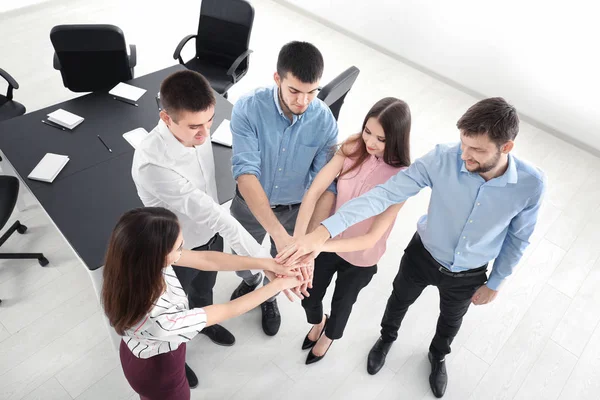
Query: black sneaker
[191,377]
[271,319]
[243,288]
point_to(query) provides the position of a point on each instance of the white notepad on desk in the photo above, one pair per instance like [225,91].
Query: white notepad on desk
[49,167]
[135,137]
[223,134]
[65,118]
[127,92]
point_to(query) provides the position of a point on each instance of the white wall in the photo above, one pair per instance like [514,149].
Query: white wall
[543,56]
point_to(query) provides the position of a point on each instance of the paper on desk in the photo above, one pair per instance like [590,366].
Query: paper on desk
[48,167]
[135,136]
[223,134]
[65,118]
[127,92]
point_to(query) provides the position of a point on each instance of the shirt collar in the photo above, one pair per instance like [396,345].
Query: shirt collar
[174,147]
[280,110]
[509,176]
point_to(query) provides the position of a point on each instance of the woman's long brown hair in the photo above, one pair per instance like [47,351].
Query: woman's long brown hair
[133,269]
[394,116]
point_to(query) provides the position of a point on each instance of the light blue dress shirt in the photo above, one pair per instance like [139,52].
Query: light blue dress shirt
[285,156]
[469,221]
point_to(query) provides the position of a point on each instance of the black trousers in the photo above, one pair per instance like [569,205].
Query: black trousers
[199,284]
[350,281]
[418,269]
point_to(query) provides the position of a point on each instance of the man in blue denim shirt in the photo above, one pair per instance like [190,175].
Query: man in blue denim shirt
[484,206]
[282,137]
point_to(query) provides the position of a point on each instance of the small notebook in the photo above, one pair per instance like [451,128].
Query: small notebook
[49,167]
[127,92]
[135,136]
[65,118]
[223,134]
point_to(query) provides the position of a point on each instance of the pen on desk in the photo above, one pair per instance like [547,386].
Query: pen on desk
[105,145]
[53,125]
[125,101]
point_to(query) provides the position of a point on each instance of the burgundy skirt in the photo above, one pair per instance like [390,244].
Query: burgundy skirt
[161,377]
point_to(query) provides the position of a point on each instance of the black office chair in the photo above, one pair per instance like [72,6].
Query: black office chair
[334,93]
[9,191]
[8,107]
[92,57]
[222,53]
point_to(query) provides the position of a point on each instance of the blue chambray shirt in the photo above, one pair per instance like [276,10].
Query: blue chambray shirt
[285,156]
[469,221]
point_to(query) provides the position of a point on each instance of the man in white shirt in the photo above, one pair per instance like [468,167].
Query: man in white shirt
[173,167]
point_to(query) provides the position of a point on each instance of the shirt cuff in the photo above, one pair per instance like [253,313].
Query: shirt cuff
[494,282]
[335,225]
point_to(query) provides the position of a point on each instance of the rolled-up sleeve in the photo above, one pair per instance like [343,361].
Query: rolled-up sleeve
[246,150]
[326,152]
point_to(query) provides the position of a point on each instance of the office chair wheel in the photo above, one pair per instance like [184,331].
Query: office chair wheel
[22,229]
[43,261]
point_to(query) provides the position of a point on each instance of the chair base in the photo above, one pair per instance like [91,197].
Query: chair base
[20,228]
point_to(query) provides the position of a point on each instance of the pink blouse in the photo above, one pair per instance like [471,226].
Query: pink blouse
[371,173]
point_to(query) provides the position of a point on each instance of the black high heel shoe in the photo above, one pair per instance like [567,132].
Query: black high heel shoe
[311,358]
[308,344]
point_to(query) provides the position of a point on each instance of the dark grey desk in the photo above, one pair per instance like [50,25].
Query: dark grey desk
[95,188]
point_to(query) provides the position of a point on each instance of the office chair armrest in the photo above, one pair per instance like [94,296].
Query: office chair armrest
[56,62]
[132,56]
[12,83]
[177,54]
[236,64]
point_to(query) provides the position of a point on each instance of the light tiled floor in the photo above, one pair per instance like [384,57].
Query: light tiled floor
[539,340]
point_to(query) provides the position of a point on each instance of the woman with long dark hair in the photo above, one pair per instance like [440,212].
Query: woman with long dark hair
[145,303]
[363,161]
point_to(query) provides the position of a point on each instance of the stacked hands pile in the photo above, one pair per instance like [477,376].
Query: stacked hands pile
[292,262]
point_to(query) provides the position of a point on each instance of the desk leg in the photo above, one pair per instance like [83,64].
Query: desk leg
[96,277]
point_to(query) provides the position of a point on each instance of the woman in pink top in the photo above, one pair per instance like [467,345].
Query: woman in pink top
[362,162]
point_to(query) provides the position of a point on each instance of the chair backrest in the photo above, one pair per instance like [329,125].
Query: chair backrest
[92,57]
[224,31]
[334,93]
[9,192]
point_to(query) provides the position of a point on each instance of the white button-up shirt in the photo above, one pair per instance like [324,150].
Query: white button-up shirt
[182,179]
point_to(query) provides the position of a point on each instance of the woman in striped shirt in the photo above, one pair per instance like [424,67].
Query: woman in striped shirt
[364,161]
[145,303]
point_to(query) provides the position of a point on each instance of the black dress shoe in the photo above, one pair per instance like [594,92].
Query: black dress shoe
[243,288]
[219,335]
[308,344]
[191,377]
[271,319]
[376,359]
[311,358]
[438,379]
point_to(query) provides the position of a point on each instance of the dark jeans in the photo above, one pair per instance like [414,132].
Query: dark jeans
[418,269]
[350,281]
[199,284]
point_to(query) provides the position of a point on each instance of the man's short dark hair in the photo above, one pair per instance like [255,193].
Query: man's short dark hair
[186,91]
[494,117]
[301,59]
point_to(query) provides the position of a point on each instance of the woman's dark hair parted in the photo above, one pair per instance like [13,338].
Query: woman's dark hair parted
[186,91]
[133,269]
[494,117]
[301,59]
[394,117]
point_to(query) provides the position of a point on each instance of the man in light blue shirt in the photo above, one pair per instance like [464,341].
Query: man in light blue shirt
[484,206]
[282,137]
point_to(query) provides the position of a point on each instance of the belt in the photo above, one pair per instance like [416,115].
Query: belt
[465,274]
[277,207]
